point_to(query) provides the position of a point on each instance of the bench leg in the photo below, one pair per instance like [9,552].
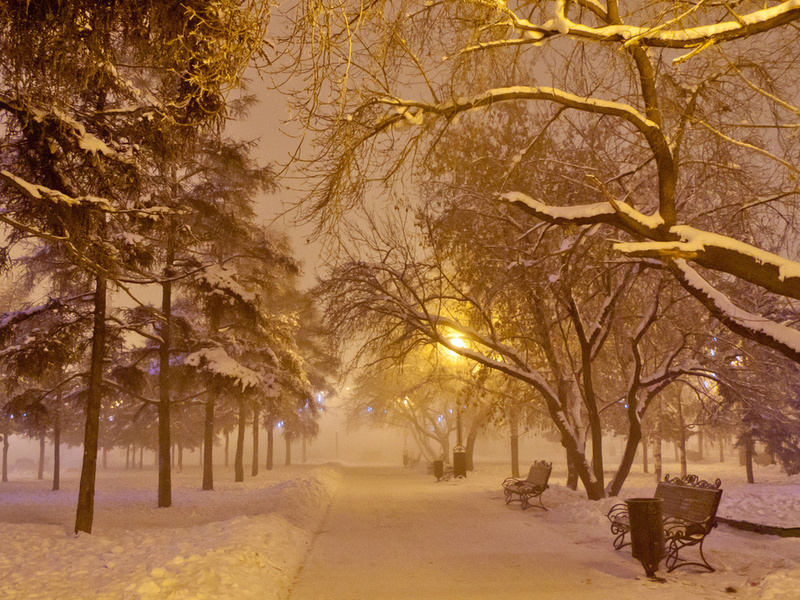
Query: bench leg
[619,541]
[527,504]
[514,496]
[675,561]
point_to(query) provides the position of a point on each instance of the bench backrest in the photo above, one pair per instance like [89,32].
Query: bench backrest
[539,473]
[696,504]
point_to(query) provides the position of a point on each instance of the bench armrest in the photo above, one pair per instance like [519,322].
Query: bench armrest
[680,528]
[532,487]
[618,513]
[512,481]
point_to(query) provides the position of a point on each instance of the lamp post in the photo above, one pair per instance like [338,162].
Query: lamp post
[459,452]
[458,426]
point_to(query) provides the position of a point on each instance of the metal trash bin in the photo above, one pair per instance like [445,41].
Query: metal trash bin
[438,469]
[647,532]
[459,461]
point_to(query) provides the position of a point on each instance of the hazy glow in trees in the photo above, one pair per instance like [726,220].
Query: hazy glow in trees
[697,104]
[700,100]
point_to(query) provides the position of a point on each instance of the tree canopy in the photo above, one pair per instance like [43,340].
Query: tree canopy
[696,105]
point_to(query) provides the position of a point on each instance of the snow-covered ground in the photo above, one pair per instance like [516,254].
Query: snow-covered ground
[249,540]
[239,541]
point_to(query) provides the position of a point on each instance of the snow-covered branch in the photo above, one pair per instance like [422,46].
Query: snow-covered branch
[61,125]
[222,280]
[722,253]
[10,319]
[413,111]
[713,251]
[43,193]
[217,362]
[750,325]
[671,34]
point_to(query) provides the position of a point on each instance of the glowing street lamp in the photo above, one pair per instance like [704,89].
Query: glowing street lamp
[458,342]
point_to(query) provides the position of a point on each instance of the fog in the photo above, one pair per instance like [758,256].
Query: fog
[337,441]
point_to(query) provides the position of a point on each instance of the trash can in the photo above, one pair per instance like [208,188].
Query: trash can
[647,532]
[459,461]
[438,469]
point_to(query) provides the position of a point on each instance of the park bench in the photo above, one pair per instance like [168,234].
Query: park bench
[688,511]
[522,490]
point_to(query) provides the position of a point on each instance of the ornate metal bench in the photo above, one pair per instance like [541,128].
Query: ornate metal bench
[522,490]
[688,509]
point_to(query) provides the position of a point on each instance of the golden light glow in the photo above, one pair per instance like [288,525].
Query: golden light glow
[458,342]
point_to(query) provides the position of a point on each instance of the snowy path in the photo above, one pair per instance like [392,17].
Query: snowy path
[394,534]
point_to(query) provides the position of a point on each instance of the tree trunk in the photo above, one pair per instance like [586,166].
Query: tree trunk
[749,450]
[582,471]
[256,428]
[85,512]
[657,437]
[572,472]
[514,455]
[595,487]
[164,352]
[681,439]
[238,461]
[459,437]
[270,444]
[472,436]
[57,447]
[141,457]
[475,426]
[578,467]
[288,439]
[644,455]
[208,446]
[422,445]
[227,446]
[42,446]
[721,449]
[444,444]
[305,450]
[513,426]
[700,444]
[6,433]
[215,314]
[628,455]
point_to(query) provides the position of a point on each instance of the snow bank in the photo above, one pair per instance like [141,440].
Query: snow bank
[230,560]
[778,586]
[240,541]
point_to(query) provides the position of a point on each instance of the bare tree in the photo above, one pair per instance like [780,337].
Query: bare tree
[700,100]
[548,331]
